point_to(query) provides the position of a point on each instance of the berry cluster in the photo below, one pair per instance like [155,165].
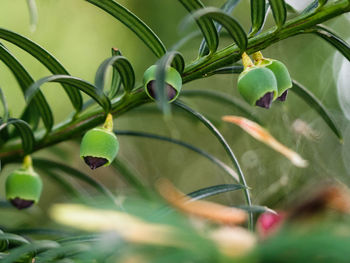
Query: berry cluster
[264,81]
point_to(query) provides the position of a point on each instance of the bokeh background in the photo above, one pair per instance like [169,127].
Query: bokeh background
[81,37]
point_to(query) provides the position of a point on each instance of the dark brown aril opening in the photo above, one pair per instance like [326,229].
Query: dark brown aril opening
[265,101]
[151,88]
[20,203]
[283,96]
[95,162]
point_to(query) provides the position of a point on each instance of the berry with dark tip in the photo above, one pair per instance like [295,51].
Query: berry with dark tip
[284,81]
[99,147]
[258,86]
[23,188]
[95,162]
[173,83]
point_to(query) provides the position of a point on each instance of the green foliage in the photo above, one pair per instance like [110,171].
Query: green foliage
[143,228]
[124,68]
[279,11]
[49,61]
[258,11]
[25,132]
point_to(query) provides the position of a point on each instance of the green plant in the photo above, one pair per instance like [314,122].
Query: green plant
[144,225]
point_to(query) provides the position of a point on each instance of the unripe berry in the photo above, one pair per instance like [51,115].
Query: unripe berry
[23,188]
[258,86]
[99,146]
[173,83]
[284,81]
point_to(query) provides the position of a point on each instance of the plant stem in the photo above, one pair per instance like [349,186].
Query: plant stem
[27,163]
[108,125]
[231,54]
[197,69]
[75,126]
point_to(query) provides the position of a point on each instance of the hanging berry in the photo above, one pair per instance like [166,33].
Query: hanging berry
[24,186]
[257,85]
[100,146]
[173,83]
[284,81]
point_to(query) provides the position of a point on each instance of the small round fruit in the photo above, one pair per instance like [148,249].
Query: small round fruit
[99,147]
[284,81]
[23,188]
[258,86]
[173,83]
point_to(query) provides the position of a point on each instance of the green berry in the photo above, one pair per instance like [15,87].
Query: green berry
[258,86]
[284,81]
[173,83]
[99,147]
[23,188]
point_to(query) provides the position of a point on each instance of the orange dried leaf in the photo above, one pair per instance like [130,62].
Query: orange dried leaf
[264,136]
[208,210]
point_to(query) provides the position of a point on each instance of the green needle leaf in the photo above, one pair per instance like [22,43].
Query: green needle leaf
[133,23]
[257,13]
[256,209]
[211,158]
[45,58]
[291,9]
[125,70]
[341,45]
[311,7]
[24,79]
[4,134]
[178,61]
[227,7]
[30,250]
[235,69]
[227,148]
[205,24]
[322,2]
[214,190]
[33,12]
[4,105]
[313,102]
[279,11]
[86,87]
[25,132]
[62,251]
[31,116]
[14,239]
[116,80]
[228,22]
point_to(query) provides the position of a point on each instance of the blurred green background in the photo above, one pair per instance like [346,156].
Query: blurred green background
[81,37]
